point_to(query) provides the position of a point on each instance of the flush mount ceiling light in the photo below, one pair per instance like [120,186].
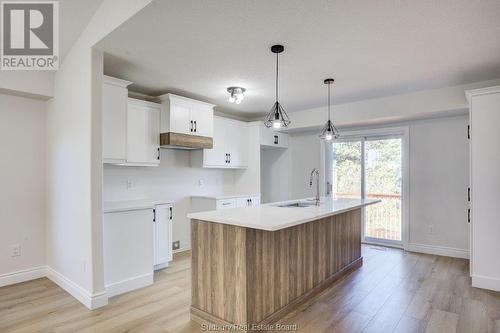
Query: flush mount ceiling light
[329,131]
[277,117]
[236,94]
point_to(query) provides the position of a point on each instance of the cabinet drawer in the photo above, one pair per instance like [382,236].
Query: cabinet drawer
[226,203]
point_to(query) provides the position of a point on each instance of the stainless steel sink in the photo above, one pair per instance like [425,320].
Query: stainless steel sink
[298,204]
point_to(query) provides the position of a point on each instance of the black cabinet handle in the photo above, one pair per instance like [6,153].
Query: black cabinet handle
[229,158]
[468,215]
[468,194]
[276,138]
[170,213]
[158,157]
[195,125]
[154,215]
[191,129]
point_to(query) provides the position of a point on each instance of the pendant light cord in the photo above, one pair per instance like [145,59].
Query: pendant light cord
[277,75]
[329,102]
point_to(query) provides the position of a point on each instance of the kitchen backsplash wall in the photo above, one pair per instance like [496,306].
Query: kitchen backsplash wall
[174,180]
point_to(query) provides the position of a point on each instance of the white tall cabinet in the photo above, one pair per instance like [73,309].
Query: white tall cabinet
[484,112]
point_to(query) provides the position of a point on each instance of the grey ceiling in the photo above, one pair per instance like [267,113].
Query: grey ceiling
[198,48]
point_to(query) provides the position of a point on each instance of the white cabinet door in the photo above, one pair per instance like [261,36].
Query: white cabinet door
[114,120]
[143,133]
[226,203]
[254,201]
[238,144]
[202,117]
[271,138]
[163,235]
[247,201]
[216,157]
[485,183]
[127,249]
[180,117]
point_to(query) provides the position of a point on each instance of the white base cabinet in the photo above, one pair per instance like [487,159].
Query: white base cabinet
[137,239]
[162,234]
[206,203]
[128,250]
[484,211]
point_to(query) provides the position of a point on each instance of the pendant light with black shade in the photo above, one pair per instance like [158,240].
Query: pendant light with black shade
[277,117]
[329,131]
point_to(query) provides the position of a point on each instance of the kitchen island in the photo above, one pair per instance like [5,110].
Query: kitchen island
[253,265]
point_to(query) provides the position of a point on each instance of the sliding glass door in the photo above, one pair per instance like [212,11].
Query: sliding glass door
[372,167]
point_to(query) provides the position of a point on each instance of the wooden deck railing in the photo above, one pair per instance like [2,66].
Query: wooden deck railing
[382,220]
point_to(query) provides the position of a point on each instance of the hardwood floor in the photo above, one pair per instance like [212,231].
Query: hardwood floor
[394,291]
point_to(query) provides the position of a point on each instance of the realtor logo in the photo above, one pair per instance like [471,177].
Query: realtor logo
[30,35]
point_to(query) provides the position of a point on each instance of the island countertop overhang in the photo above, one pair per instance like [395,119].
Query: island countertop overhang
[270,217]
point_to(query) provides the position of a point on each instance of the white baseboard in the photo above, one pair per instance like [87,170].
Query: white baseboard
[91,301]
[120,287]
[486,282]
[23,275]
[438,250]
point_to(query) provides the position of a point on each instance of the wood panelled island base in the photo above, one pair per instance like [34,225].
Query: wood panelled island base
[247,276]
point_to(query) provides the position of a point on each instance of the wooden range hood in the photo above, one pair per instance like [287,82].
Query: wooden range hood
[185,141]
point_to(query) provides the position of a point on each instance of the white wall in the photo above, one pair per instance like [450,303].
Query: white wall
[438,181]
[274,163]
[439,177]
[22,196]
[74,162]
[304,150]
[173,180]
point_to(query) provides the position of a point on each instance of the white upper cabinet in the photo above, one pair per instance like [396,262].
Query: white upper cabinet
[114,120]
[143,133]
[230,146]
[186,116]
[131,127]
[272,138]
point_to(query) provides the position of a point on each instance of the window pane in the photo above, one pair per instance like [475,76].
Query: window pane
[347,169]
[383,181]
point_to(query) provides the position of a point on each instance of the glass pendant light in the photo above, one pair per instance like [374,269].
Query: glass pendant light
[329,131]
[277,116]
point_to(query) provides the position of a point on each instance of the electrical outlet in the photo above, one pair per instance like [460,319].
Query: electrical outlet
[200,182]
[16,250]
[176,245]
[129,184]
[431,229]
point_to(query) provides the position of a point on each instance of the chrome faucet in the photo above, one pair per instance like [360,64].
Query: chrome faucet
[315,171]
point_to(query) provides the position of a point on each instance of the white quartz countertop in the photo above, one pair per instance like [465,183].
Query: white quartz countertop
[225,196]
[121,206]
[270,217]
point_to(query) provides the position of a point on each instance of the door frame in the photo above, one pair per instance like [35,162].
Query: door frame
[402,132]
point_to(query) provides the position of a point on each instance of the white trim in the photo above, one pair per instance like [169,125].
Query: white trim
[115,81]
[482,91]
[23,275]
[127,285]
[486,282]
[91,301]
[438,250]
